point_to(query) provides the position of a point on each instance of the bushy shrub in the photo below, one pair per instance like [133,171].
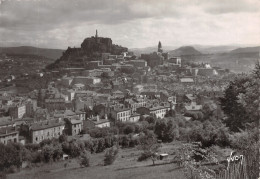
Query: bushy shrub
[63,138]
[10,155]
[102,132]
[243,140]
[166,130]
[45,142]
[149,146]
[110,155]
[150,120]
[129,129]
[37,157]
[85,159]
[144,156]
[32,147]
[210,133]
[48,152]
[73,148]
[12,169]
[2,175]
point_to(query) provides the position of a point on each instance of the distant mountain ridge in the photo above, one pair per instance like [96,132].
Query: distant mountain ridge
[28,50]
[205,49]
[246,50]
[185,50]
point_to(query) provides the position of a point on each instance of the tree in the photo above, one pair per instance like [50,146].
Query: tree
[250,99]
[165,129]
[129,129]
[110,155]
[48,153]
[150,147]
[63,138]
[150,119]
[237,115]
[10,155]
[84,159]
[170,113]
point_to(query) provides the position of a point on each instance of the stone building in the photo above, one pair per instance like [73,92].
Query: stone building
[47,129]
[157,111]
[17,111]
[8,134]
[73,126]
[121,114]
[96,122]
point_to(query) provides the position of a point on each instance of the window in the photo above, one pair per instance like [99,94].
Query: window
[36,138]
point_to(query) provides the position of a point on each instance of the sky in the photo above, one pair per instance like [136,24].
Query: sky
[130,23]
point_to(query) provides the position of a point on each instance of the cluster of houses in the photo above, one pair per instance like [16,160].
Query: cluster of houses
[102,93]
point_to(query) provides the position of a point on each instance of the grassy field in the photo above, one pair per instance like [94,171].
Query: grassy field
[125,166]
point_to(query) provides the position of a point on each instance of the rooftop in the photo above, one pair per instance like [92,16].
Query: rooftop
[121,109]
[7,131]
[158,108]
[186,80]
[75,121]
[46,124]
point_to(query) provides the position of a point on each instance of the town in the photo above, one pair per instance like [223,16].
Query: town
[115,86]
[101,95]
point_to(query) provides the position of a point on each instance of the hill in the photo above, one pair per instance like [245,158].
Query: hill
[205,49]
[91,49]
[185,50]
[28,50]
[246,50]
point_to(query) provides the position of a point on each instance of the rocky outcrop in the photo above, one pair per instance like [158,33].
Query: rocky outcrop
[91,50]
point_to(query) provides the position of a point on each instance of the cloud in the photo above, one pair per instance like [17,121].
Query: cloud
[231,6]
[132,23]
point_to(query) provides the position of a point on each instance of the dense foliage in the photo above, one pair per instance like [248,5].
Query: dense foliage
[237,115]
[110,155]
[149,146]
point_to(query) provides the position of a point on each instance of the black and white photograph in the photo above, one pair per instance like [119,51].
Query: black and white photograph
[129,89]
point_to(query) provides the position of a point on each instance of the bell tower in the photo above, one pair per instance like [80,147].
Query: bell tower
[160,47]
[96,34]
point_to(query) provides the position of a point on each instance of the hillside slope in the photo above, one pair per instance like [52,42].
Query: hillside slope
[185,50]
[246,50]
[28,50]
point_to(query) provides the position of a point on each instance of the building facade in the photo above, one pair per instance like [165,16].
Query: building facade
[9,134]
[46,130]
[17,112]
[121,114]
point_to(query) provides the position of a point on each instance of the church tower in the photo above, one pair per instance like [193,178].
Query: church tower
[160,47]
[96,34]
